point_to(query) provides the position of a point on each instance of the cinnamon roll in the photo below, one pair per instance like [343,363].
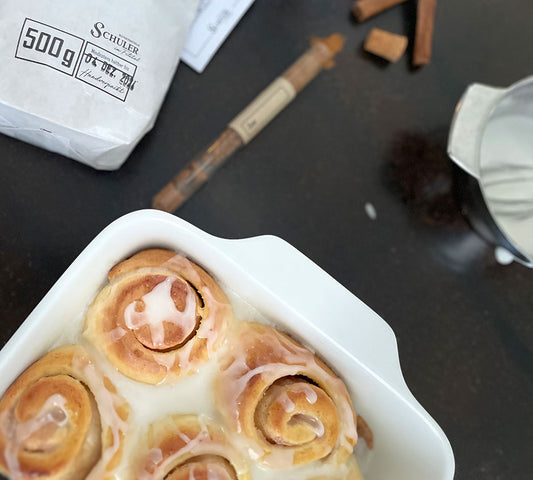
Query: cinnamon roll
[159,317]
[62,419]
[187,447]
[287,404]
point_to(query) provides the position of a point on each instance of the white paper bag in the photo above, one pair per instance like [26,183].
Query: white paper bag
[86,78]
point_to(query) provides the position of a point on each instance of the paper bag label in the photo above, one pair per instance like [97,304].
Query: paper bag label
[96,66]
[106,71]
[41,43]
[263,109]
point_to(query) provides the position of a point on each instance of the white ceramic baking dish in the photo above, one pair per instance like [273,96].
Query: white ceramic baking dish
[290,290]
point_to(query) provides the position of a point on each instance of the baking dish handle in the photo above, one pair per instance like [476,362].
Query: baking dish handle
[318,298]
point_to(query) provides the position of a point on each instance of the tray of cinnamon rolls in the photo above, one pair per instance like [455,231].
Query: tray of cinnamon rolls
[164,353]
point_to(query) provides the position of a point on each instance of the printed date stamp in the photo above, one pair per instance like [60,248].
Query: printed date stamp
[106,71]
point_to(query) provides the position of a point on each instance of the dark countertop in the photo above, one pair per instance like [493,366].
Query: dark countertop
[355,135]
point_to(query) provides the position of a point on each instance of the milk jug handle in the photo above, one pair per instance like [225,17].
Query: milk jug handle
[468,124]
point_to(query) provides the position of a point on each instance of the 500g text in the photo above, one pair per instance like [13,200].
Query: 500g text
[44,43]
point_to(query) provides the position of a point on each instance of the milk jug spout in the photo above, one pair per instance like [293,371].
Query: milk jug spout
[471,114]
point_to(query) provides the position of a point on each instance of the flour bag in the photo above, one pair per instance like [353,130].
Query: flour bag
[86,78]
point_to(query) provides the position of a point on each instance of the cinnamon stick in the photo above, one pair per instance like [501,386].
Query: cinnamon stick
[364,9]
[385,44]
[243,128]
[425,20]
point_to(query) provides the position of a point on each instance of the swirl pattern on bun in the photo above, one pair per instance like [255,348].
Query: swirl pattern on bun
[62,419]
[159,318]
[289,406]
[188,447]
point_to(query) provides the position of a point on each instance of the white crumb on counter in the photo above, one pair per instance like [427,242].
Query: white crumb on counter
[503,256]
[371,211]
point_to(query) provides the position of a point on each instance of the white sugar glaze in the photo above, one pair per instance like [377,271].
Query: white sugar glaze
[311,470]
[192,445]
[309,393]
[159,307]
[107,403]
[193,394]
[286,402]
[315,423]
[52,411]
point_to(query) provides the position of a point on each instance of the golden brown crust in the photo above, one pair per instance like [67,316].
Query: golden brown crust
[154,257]
[54,420]
[181,447]
[205,468]
[288,404]
[140,341]
[365,432]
